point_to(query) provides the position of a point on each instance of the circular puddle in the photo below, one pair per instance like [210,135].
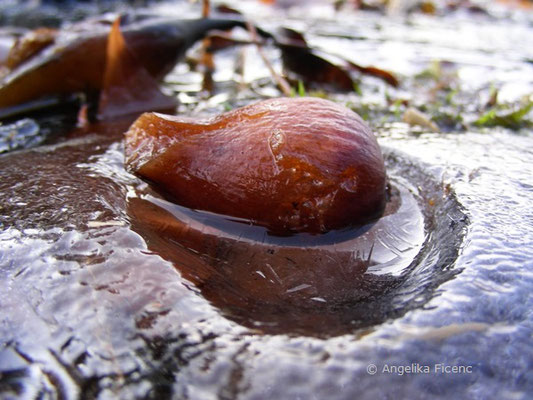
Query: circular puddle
[322,285]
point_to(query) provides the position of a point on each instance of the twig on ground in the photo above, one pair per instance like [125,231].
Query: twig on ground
[280,81]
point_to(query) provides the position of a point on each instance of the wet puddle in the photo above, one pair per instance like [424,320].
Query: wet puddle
[313,285]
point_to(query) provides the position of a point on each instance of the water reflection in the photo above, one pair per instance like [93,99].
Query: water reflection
[306,284]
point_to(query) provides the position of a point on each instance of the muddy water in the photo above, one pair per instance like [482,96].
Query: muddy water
[109,291]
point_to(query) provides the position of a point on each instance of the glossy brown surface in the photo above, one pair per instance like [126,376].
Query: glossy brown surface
[291,165]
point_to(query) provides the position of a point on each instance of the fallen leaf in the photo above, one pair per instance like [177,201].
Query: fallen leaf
[127,87]
[376,72]
[29,45]
[304,61]
[412,116]
[308,67]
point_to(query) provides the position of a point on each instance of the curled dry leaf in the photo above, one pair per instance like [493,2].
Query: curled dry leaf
[81,55]
[311,68]
[375,72]
[300,60]
[127,86]
[29,45]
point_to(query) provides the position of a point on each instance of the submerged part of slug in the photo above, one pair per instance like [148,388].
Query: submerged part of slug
[290,165]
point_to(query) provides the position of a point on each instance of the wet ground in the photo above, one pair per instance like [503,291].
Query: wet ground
[98,300]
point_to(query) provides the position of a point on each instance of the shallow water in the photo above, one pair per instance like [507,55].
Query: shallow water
[95,304]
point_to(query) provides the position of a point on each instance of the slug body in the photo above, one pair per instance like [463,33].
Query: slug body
[290,165]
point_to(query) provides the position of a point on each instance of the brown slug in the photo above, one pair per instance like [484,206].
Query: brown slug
[288,164]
